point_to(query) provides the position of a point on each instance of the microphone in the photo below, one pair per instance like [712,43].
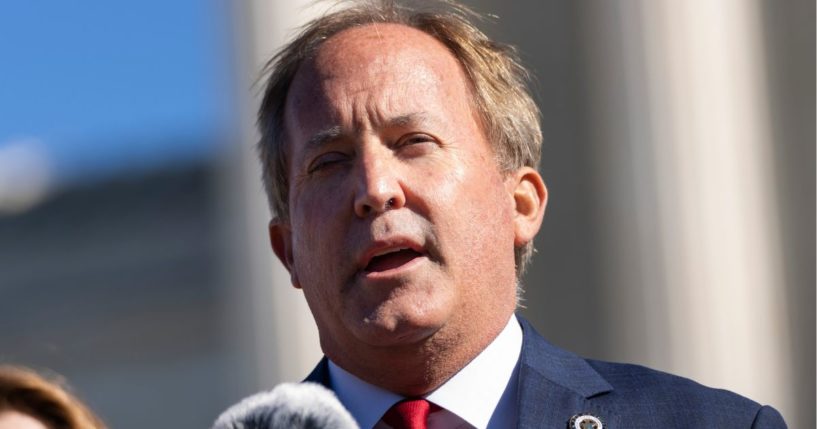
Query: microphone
[288,406]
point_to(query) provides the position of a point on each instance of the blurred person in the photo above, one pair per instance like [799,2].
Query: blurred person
[400,149]
[29,401]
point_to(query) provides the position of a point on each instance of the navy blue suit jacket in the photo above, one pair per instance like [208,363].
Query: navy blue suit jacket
[555,385]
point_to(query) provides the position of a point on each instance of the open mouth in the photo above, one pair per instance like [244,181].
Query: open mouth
[391,260]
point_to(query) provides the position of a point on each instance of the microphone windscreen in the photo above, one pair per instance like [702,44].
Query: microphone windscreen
[288,406]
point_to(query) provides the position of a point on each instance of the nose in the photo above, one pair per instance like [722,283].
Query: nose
[379,187]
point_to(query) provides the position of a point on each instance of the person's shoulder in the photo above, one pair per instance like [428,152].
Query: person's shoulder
[673,399]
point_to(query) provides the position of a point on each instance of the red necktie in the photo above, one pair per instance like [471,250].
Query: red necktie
[409,414]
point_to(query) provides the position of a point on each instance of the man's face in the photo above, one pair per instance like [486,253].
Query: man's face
[401,225]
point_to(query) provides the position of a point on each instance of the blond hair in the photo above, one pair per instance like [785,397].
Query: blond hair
[24,391]
[497,80]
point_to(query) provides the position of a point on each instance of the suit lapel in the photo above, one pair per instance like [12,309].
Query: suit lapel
[320,374]
[555,385]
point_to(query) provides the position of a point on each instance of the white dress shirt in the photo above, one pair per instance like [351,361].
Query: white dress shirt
[482,395]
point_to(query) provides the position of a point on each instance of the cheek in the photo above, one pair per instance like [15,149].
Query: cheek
[471,192]
[474,205]
[441,184]
[316,208]
[316,230]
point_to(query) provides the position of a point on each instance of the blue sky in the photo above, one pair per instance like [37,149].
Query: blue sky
[106,86]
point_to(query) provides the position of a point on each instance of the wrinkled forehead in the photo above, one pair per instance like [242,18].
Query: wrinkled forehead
[389,65]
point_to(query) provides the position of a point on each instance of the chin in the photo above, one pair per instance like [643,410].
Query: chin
[392,328]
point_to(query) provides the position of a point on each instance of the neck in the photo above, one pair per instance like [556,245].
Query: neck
[416,369]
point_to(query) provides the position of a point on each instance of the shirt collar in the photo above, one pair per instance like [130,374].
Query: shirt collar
[474,392]
[469,394]
[366,402]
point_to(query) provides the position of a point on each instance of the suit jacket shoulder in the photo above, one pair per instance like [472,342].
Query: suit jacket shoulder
[555,385]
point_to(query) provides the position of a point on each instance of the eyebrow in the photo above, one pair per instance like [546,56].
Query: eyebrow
[407,119]
[323,137]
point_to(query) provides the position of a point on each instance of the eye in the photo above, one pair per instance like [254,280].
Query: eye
[325,161]
[412,139]
[416,145]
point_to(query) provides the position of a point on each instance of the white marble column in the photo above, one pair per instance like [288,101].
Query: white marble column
[268,322]
[695,250]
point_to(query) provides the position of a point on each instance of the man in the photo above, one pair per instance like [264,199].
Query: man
[400,149]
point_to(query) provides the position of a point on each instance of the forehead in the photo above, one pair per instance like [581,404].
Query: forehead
[376,67]
[373,46]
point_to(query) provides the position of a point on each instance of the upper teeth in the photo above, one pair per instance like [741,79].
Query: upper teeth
[386,251]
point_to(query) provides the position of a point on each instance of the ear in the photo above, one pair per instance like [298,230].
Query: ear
[530,197]
[280,236]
